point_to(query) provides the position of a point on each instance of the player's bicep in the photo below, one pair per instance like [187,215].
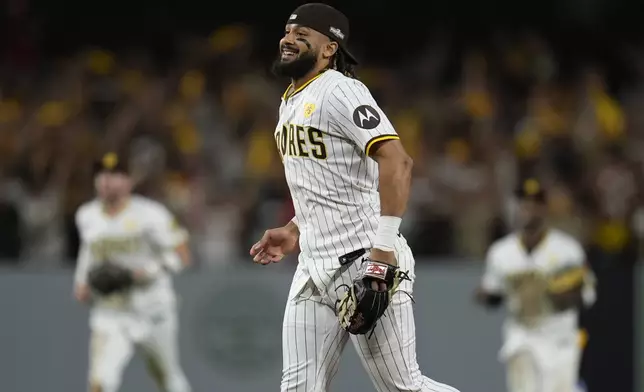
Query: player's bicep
[357,115]
[388,150]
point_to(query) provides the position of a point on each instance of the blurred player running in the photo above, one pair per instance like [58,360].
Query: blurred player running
[542,274]
[349,178]
[142,237]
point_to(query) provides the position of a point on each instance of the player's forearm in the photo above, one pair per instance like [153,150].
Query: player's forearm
[183,251]
[173,261]
[80,276]
[169,261]
[394,166]
[82,266]
[395,182]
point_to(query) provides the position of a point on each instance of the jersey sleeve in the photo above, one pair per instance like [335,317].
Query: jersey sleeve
[492,281]
[164,230]
[355,113]
[85,259]
[577,257]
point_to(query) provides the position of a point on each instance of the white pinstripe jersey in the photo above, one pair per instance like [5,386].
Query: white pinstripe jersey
[135,238]
[325,131]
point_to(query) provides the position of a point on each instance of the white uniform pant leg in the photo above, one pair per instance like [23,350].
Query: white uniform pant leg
[161,350]
[523,373]
[389,355]
[563,373]
[554,370]
[110,351]
[312,342]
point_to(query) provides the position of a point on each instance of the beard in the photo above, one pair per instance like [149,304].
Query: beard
[297,68]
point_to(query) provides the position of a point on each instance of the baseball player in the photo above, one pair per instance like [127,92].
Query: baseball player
[349,178]
[542,275]
[130,248]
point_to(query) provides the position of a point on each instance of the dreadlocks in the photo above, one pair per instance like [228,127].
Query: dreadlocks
[343,66]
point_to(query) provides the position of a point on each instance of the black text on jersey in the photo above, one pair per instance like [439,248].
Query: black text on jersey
[300,141]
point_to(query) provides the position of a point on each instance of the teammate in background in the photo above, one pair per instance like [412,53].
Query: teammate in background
[542,275]
[142,236]
[349,178]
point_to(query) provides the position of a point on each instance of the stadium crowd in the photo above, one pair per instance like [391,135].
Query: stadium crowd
[199,131]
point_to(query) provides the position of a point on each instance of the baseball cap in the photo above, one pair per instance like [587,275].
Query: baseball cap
[531,189]
[325,20]
[111,163]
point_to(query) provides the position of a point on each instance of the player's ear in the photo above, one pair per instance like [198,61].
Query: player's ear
[330,48]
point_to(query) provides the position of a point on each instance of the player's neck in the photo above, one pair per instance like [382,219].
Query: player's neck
[532,238]
[298,83]
[115,207]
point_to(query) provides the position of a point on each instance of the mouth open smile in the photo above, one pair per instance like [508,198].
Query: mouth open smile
[288,53]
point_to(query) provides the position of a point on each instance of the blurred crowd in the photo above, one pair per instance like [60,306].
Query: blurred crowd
[199,130]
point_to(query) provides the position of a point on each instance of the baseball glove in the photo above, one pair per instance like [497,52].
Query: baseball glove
[361,307]
[108,278]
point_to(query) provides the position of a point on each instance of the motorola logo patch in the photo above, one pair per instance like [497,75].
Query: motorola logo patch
[366,117]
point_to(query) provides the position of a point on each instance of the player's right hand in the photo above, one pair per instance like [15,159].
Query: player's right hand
[82,293]
[274,245]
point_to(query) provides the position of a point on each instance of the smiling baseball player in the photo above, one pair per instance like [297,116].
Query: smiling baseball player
[349,178]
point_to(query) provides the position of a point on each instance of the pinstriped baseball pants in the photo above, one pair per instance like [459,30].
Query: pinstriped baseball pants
[313,341]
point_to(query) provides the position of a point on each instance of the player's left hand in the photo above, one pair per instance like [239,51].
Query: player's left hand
[82,293]
[141,276]
[383,257]
[274,245]
[362,306]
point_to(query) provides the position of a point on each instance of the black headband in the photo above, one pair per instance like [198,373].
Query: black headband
[325,20]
